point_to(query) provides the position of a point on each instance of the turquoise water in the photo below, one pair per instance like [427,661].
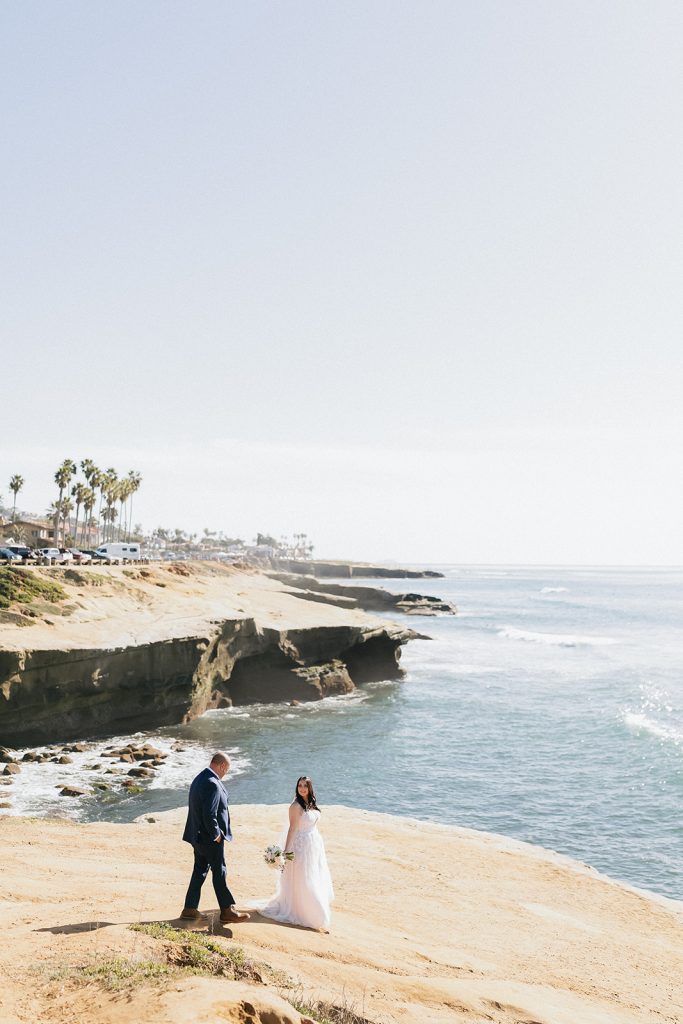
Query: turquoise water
[550,710]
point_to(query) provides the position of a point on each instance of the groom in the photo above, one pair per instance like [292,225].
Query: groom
[207,830]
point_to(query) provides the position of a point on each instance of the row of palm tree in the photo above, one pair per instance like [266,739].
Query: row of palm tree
[112,490]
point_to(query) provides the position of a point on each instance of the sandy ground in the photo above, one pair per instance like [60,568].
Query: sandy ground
[138,605]
[431,924]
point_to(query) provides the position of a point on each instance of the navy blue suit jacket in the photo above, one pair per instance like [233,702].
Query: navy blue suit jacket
[208,816]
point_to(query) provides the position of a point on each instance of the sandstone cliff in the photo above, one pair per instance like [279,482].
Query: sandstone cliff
[126,649]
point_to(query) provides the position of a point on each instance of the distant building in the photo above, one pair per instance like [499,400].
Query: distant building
[37,532]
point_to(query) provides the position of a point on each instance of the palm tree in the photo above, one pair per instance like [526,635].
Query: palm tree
[108,487]
[89,500]
[59,511]
[122,492]
[89,468]
[67,508]
[134,480]
[15,485]
[90,472]
[108,516]
[96,479]
[53,513]
[62,479]
[89,524]
[79,492]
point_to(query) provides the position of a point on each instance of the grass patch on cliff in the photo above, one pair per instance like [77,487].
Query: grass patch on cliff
[324,1012]
[200,954]
[24,586]
[118,973]
[181,953]
[184,953]
[114,973]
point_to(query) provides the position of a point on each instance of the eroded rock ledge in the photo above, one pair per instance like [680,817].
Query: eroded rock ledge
[374,599]
[347,570]
[47,695]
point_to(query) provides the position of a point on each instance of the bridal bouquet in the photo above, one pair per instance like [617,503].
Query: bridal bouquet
[276,858]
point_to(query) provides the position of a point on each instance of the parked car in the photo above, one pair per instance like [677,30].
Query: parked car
[7,555]
[42,554]
[21,550]
[80,557]
[95,556]
[54,556]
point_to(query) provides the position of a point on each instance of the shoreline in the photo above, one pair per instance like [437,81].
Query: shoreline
[466,926]
[186,756]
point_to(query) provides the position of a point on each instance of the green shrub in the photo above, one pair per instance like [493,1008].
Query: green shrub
[23,586]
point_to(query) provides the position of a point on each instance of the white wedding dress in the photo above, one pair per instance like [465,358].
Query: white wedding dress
[304,891]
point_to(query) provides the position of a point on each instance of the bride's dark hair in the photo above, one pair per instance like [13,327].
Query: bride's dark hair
[311,805]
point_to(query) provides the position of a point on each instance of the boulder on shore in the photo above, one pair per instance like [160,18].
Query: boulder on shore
[72,791]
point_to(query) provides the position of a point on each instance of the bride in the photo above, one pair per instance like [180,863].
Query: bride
[304,891]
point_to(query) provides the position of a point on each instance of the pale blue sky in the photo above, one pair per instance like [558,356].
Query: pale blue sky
[404,276]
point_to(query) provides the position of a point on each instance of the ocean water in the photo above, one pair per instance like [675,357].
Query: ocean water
[549,710]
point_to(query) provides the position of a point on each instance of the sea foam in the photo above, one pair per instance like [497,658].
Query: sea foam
[37,789]
[639,722]
[555,639]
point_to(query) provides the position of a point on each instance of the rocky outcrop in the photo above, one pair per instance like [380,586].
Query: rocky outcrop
[46,695]
[369,598]
[347,570]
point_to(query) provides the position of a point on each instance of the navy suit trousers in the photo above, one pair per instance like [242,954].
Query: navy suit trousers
[209,857]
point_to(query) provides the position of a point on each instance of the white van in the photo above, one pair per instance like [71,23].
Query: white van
[122,552]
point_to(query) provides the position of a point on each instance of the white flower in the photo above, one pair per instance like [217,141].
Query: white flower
[277,858]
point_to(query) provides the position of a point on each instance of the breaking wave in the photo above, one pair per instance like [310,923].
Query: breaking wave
[555,639]
[641,723]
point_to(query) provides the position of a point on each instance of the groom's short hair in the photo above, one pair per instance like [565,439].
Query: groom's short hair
[220,759]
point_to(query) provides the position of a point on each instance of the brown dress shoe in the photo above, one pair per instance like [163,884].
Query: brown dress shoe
[190,914]
[229,914]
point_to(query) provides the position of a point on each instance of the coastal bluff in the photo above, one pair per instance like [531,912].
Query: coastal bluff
[101,650]
[431,924]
